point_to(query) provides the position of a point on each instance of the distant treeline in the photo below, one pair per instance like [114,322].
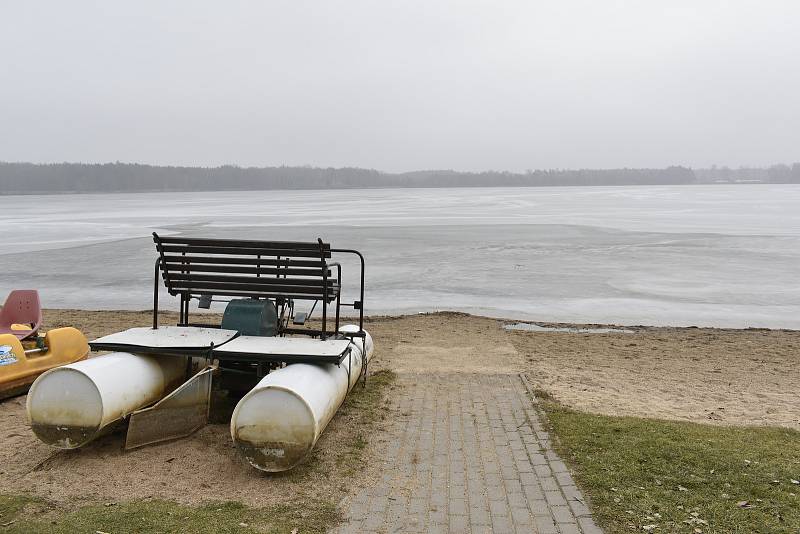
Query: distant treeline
[777,174]
[124,177]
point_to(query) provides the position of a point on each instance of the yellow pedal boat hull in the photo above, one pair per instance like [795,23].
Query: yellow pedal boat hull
[18,370]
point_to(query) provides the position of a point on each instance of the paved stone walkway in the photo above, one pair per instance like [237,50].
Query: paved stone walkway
[468,454]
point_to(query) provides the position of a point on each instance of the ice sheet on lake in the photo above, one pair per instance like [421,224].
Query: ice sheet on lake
[671,255]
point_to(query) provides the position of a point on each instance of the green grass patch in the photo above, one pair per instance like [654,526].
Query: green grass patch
[659,476]
[12,505]
[363,406]
[157,516]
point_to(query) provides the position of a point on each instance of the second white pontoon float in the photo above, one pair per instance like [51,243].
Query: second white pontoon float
[293,378]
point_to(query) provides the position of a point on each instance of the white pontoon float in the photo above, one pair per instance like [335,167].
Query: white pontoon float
[293,378]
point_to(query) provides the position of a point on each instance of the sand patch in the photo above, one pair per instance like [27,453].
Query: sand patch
[446,342]
[741,377]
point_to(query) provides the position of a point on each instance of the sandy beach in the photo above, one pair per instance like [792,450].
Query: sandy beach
[726,377]
[707,375]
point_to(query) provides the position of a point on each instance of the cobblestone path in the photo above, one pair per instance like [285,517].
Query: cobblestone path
[468,454]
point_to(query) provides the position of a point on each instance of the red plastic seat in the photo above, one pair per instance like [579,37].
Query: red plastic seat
[21,307]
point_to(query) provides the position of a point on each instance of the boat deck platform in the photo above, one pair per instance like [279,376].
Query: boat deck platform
[224,345]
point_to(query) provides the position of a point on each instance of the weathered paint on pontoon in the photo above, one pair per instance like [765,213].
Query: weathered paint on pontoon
[71,405]
[280,420]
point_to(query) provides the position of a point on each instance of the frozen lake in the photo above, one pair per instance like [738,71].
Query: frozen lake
[665,255]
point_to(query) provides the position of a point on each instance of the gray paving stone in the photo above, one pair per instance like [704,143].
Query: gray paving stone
[524,468]
[533,492]
[562,514]
[554,498]
[579,508]
[513,486]
[374,522]
[545,525]
[458,491]
[517,500]
[458,507]
[549,483]
[542,470]
[502,525]
[539,507]
[479,516]
[521,516]
[498,508]
[564,479]
[438,516]
[588,526]
[378,505]
[569,528]
[459,523]
[495,493]
[558,466]
[572,493]
[439,497]
[418,506]
[538,458]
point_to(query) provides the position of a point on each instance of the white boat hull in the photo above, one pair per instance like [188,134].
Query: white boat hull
[71,405]
[280,420]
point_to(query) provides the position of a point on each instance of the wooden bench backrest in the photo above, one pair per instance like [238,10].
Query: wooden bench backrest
[242,268]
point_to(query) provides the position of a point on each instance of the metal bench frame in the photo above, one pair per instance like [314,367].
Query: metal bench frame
[284,271]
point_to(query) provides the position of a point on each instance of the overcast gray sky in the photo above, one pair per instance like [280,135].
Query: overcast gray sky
[402,85]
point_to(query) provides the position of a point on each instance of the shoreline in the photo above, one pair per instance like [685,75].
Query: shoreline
[504,319]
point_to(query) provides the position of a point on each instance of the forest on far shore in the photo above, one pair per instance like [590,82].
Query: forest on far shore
[20,178]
